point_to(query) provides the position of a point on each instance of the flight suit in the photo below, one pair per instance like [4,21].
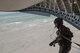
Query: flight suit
[65,45]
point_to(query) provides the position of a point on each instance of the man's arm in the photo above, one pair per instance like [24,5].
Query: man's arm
[58,38]
[55,41]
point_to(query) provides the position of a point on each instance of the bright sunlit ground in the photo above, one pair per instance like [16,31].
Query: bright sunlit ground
[30,33]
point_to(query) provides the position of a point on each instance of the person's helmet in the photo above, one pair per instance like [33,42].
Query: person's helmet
[58,21]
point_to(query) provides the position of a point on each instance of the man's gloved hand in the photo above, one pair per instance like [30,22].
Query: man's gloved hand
[52,44]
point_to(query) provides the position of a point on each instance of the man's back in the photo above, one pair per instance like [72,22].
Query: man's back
[64,32]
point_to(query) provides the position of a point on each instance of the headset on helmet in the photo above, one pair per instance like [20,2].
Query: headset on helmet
[58,20]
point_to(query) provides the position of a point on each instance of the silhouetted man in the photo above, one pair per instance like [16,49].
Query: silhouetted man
[64,36]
